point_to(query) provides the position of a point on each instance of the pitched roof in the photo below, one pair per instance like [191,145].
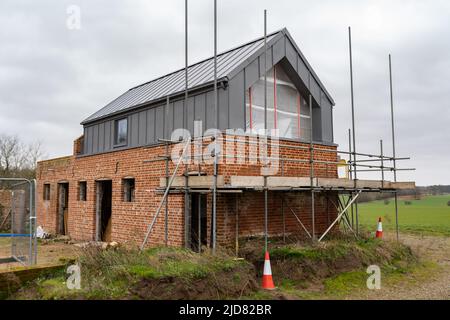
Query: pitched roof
[199,74]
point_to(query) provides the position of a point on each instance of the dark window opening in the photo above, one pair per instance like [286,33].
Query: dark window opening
[46,191]
[82,189]
[121,132]
[128,189]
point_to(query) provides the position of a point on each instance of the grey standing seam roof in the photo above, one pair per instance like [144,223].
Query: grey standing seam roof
[199,74]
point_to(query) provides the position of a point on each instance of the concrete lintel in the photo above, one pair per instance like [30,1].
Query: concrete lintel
[194,182]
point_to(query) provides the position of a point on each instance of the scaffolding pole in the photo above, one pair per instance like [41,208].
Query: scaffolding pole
[355,178]
[166,209]
[187,220]
[265,133]
[311,170]
[350,175]
[150,227]
[237,226]
[214,194]
[393,146]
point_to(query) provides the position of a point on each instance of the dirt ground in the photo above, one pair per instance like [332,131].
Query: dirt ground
[435,285]
[49,252]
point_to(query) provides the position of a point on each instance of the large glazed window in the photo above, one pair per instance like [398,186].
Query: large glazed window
[121,132]
[287,109]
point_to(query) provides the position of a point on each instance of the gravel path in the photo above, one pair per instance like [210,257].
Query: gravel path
[436,286]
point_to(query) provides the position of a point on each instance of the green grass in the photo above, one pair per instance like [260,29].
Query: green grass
[431,215]
[109,274]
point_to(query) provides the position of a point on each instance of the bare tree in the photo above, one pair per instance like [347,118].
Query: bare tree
[18,158]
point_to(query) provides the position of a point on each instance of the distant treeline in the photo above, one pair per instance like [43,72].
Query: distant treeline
[416,193]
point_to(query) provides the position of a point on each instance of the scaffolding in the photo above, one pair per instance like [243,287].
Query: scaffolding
[350,186]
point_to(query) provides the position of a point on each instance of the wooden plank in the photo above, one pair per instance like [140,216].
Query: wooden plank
[370,184]
[293,182]
[247,181]
[334,183]
[193,181]
[403,185]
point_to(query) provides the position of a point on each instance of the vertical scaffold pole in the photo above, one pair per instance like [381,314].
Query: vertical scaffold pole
[214,195]
[393,145]
[265,132]
[199,223]
[237,226]
[355,178]
[382,164]
[166,209]
[187,222]
[311,170]
[350,175]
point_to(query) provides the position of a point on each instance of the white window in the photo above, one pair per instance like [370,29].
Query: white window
[121,132]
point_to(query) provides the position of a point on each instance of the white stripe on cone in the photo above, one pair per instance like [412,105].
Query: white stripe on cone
[267,269]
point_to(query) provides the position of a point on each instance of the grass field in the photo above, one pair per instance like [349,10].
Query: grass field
[431,215]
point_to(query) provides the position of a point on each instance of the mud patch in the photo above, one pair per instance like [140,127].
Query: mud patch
[223,285]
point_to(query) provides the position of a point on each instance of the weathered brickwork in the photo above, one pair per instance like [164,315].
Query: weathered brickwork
[130,219]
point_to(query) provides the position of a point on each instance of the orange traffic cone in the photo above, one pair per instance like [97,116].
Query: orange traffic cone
[379,233]
[267,281]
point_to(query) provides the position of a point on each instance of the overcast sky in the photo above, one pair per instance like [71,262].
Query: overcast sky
[53,77]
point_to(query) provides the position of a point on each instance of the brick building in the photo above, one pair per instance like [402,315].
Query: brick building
[109,189]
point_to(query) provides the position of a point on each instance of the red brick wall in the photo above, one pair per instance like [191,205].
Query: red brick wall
[78,145]
[130,219]
[251,214]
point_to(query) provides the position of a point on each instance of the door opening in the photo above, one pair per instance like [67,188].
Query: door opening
[63,208]
[103,210]
[198,222]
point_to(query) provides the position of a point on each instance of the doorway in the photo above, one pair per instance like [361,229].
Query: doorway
[63,208]
[103,210]
[198,222]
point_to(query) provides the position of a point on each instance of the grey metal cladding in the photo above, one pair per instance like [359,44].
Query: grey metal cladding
[101,137]
[190,113]
[279,50]
[223,109]
[142,127]
[159,121]
[133,123]
[95,139]
[252,73]
[200,73]
[210,113]
[327,119]
[150,125]
[236,101]
[108,135]
[314,88]
[291,54]
[303,71]
[200,108]
[178,115]
[317,124]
